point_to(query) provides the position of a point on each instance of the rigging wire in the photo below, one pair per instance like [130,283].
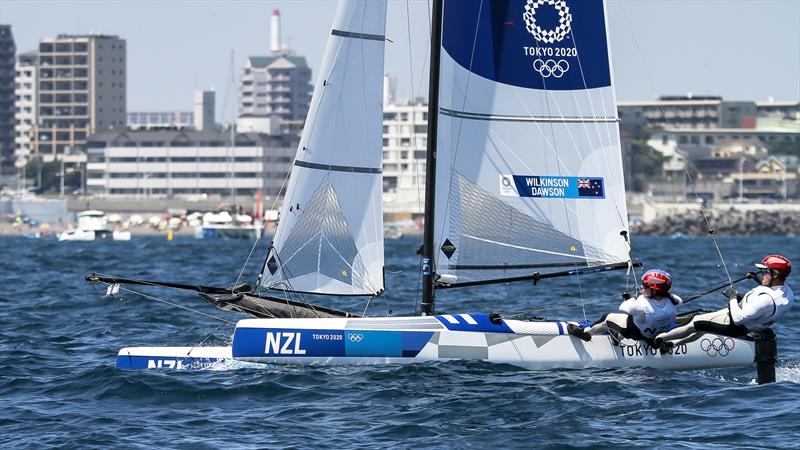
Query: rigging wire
[150,297]
[202,341]
[677,148]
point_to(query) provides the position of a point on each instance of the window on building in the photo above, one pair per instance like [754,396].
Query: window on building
[389,183]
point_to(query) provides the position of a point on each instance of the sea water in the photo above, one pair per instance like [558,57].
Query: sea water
[59,337]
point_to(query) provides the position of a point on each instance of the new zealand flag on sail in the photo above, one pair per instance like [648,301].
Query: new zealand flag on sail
[590,187]
[536,44]
[551,187]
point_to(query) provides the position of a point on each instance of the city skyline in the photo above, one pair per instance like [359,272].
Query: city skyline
[695,47]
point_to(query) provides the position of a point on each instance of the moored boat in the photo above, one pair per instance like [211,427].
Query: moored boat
[93,225]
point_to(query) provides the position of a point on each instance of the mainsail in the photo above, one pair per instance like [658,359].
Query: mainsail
[330,236]
[529,171]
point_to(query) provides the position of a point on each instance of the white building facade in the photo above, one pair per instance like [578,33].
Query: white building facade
[24,105]
[276,86]
[186,163]
[147,120]
[405,127]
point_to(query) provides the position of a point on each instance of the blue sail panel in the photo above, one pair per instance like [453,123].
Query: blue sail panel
[536,44]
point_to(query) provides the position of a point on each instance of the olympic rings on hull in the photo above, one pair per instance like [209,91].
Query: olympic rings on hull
[717,346]
[551,68]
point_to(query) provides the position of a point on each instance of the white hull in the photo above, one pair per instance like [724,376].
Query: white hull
[375,341]
[93,235]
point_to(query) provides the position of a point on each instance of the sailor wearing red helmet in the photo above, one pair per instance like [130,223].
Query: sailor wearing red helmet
[641,318]
[756,310]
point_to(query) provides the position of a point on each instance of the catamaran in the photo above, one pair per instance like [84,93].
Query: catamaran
[524,181]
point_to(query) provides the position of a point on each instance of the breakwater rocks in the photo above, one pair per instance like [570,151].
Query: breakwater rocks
[731,222]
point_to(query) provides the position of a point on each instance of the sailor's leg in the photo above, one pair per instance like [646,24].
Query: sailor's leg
[691,338]
[585,334]
[620,325]
[618,321]
[599,327]
[694,329]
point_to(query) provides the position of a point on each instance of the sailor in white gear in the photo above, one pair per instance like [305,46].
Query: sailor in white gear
[755,311]
[642,318]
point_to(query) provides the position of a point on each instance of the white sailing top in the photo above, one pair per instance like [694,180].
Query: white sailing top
[762,306]
[652,316]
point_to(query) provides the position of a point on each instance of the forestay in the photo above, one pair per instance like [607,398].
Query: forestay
[330,236]
[529,171]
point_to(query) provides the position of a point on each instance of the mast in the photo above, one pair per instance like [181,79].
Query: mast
[428,251]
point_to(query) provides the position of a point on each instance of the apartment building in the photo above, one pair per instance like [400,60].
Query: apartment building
[405,127]
[187,163]
[8,52]
[276,86]
[81,90]
[687,112]
[148,120]
[781,109]
[25,105]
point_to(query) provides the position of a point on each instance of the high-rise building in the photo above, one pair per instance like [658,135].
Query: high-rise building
[25,104]
[7,61]
[276,86]
[82,81]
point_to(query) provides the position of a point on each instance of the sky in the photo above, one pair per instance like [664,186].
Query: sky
[739,49]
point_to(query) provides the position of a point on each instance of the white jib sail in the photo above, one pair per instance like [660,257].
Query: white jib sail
[330,235]
[529,175]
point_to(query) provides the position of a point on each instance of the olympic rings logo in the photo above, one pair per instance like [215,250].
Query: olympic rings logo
[355,337]
[551,68]
[717,346]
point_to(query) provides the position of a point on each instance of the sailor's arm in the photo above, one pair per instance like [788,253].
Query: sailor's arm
[628,306]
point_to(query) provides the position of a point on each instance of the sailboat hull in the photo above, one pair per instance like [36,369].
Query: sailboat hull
[376,341]
[530,344]
[178,358]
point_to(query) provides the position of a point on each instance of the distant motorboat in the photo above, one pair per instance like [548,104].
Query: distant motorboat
[93,225]
[392,233]
[223,225]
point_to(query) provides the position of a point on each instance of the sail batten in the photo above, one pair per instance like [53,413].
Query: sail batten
[330,235]
[510,118]
[529,161]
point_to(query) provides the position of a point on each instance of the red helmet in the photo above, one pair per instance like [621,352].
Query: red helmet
[657,280]
[778,263]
